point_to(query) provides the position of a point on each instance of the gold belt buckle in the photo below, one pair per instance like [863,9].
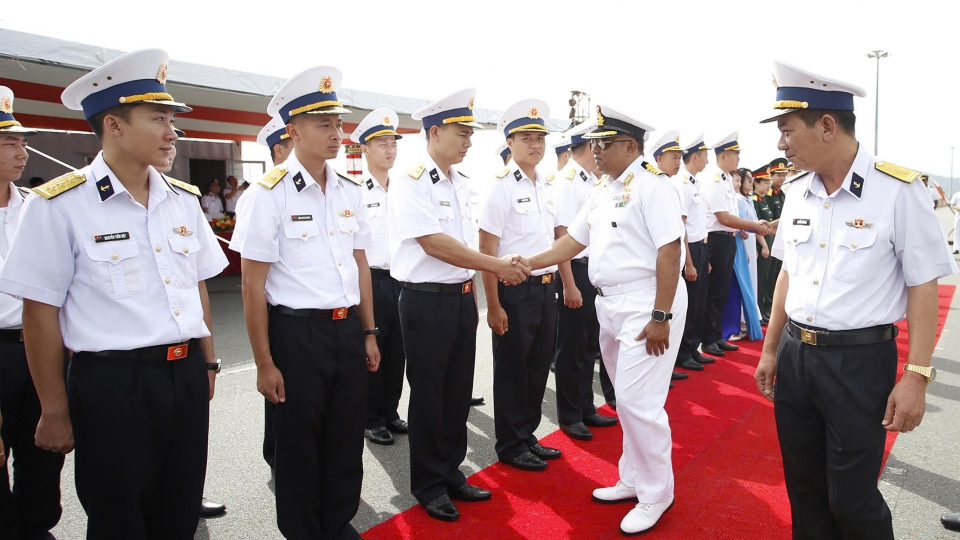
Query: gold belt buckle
[546,278]
[808,336]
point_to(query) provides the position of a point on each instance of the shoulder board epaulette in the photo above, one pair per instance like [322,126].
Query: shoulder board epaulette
[25,190]
[349,178]
[273,177]
[717,178]
[184,186]
[503,173]
[601,180]
[795,178]
[550,178]
[653,169]
[571,173]
[60,185]
[415,172]
[756,198]
[900,173]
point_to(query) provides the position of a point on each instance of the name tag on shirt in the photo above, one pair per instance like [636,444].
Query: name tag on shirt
[305,217]
[525,199]
[444,203]
[111,237]
[373,205]
[801,221]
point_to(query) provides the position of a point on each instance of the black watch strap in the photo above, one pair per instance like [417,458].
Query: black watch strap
[372,332]
[214,366]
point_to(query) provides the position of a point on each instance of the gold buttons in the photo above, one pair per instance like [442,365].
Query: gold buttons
[167,281]
[158,248]
[794,240]
[809,319]
[115,256]
[186,250]
[303,235]
[351,230]
[827,206]
[854,245]
[823,244]
[177,312]
[339,263]
[331,232]
[816,282]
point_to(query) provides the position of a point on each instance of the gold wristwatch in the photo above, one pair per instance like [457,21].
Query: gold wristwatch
[929,372]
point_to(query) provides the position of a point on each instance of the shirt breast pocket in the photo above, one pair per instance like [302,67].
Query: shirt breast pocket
[185,254]
[116,267]
[376,210]
[445,215]
[796,246]
[303,242]
[850,260]
[522,219]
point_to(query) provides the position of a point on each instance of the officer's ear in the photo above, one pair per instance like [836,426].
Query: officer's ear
[829,127]
[293,131]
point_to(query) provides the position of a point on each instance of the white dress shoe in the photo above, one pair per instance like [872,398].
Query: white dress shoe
[616,494]
[643,517]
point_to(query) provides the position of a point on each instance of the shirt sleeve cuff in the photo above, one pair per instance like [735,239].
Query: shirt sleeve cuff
[585,241]
[214,269]
[778,253]
[492,229]
[938,271]
[417,233]
[22,291]
[259,256]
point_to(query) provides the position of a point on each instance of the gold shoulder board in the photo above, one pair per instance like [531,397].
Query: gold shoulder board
[900,173]
[350,178]
[652,168]
[718,178]
[60,185]
[416,172]
[273,177]
[503,173]
[183,185]
[571,173]
[550,178]
[600,180]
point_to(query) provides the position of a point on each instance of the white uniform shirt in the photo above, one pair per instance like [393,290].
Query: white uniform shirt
[232,202]
[626,221]
[429,204]
[850,259]
[213,205]
[955,199]
[523,213]
[307,235]
[718,196]
[11,309]
[691,205]
[123,276]
[577,186]
[375,199]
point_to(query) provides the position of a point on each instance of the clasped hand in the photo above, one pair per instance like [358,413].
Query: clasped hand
[513,270]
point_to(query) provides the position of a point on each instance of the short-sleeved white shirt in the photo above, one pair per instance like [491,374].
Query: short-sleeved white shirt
[375,199]
[123,276]
[11,309]
[577,185]
[307,235]
[426,201]
[625,222]
[523,213]
[851,255]
[213,204]
[718,196]
[691,205]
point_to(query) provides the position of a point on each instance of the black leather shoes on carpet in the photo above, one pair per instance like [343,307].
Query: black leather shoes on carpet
[701,359]
[210,508]
[442,508]
[598,420]
[612,404]
[577,431]
[677,376]
[712,349]
[397,426]
[476,401]
[379,435]
[724,346]
[951,521]
[469,493]
[690,364]
[545,452]
[526,462]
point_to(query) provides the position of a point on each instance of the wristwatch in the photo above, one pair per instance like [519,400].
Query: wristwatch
[929,372]
[372,332]
[214,366]
[661,316]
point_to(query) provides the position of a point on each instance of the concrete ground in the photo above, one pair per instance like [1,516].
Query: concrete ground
[921,480]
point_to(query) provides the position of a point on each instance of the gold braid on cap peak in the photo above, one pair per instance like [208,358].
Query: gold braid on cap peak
[315,106]
[9,123]
[790,104]
[537,127]
[458,119]
[381,133]
[150,96]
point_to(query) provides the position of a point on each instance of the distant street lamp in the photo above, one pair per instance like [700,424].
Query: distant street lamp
[878,54]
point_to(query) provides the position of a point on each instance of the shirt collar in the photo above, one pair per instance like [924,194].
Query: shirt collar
[579,173]
[853,182]
[632,171]
[435,174]
[519,175]
[373,183]
[109,187]
[301,177]
[16,197]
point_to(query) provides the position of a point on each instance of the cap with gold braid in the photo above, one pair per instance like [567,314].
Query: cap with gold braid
[9,124]
[312,91]
[379,123]
[695,146]
[457,108]
[524,116]
[728,144]
[668,142]
[134,78]
[272,133]
[761,174]
[778,165]
[798,89]
[611,123]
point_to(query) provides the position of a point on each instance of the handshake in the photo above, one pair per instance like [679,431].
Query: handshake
[512,269]
[765,228]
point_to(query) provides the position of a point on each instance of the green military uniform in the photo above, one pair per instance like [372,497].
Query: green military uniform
[764,294]
[767,281]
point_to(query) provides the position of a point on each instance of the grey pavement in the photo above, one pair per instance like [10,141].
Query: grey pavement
[921,480]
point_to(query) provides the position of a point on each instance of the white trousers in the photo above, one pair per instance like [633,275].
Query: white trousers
[641,382]
[956,229]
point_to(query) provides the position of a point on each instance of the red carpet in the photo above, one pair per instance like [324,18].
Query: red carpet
[729,480]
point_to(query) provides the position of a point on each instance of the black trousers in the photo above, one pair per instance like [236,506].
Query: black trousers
[721,250]
[318,465]
[440,342]
[269,433]
[578,344]
[828,403]
[32,507]
[696,302]
[764,285]
[521,364]
[140,434]
[386,384]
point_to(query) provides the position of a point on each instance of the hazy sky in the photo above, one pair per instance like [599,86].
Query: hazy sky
[692,66]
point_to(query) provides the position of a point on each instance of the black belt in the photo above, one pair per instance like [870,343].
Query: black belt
[157,352]
[445,288]
[379,272]
[581,260]
[722,233]
[11,336]
[825,338]
[335,314]
[545,279]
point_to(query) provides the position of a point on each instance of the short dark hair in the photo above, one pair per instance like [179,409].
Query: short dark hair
[273,149]
[36,181]
[639,142]
[120,111]
[845,119]
[575,148]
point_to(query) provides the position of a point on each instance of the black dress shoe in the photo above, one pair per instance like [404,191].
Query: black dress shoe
[712,349]
[690,364]
[442,508]
[701,359]
[764,322]
[526,462]
[397,426]
[379,435]
[597,420]
[724,346]
[951,521]
[469,493]
[677,376]
[545,452]
[671,386]
[612,404]
[577,431]
[210,508]
[476,401]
